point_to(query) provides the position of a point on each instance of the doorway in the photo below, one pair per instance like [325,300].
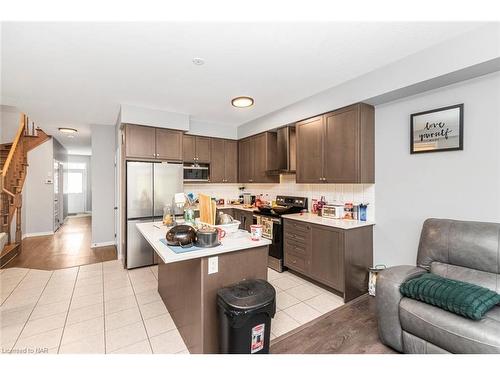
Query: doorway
[78,185]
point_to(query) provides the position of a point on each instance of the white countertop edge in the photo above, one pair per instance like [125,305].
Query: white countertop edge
[334,223]
[153,236]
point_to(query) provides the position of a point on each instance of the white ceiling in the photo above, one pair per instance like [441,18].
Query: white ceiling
[77,74]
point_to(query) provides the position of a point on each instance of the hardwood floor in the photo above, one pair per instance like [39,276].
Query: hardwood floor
[68,247]
[350,329]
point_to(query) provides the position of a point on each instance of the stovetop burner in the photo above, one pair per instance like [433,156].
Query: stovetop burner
[292,205]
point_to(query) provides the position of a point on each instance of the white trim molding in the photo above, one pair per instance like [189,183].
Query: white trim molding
[101,244]
[36,234]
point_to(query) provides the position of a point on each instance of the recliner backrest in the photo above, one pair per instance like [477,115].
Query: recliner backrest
[461,250]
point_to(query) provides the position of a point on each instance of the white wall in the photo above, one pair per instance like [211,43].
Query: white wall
[456,184]
[9,123]
[38,197]
[154,117]
[103,182]
[211,129]
[475,47]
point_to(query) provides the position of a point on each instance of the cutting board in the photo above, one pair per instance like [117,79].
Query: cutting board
[205,206]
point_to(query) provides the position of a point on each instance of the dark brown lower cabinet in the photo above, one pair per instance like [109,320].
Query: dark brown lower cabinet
[326,256]
[334,257]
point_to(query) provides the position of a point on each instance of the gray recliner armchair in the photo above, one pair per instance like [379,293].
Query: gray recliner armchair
[460,250]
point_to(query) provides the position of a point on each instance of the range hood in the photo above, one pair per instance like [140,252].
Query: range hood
[286,157]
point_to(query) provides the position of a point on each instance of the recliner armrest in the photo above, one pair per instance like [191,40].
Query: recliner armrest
[387,301]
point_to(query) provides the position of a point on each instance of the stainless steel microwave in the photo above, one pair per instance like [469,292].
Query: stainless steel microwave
[196,173]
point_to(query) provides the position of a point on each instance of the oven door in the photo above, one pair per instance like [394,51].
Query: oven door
[272,229]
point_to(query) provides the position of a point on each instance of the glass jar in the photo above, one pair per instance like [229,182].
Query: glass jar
[168,217]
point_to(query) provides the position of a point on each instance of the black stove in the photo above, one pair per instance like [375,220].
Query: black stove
[287,205]
[272,226]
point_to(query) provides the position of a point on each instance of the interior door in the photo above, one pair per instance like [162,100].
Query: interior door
[76,189]
[58,196]
[139,190]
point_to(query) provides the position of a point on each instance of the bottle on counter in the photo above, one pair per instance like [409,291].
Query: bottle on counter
[362,211]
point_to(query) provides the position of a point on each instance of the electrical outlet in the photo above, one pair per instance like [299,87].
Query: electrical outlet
[213,265]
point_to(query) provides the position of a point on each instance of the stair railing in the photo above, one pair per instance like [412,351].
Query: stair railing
[11,198]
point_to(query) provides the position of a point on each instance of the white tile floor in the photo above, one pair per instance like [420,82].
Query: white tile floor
[102,308]
[298,302]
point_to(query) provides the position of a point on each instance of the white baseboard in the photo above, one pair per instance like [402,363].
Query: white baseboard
[101,244]
[36,234]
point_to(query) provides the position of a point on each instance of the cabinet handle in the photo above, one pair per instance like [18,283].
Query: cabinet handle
[294,261]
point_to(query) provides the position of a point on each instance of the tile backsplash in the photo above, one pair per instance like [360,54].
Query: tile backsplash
[357,193]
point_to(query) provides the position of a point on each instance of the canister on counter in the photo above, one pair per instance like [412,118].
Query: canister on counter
[355,212]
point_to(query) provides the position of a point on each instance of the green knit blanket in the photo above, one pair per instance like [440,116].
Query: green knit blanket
[469,300]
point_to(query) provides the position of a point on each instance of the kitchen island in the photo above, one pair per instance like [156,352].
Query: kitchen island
[188,282]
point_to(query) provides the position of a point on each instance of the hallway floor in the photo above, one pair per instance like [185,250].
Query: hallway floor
[68,247]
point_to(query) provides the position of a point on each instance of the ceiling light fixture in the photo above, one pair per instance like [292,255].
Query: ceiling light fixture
[242,102]
[198,61]
[67,130]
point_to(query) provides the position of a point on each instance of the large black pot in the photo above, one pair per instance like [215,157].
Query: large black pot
[181,235]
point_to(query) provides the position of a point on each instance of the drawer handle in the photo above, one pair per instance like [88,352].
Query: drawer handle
[294,261]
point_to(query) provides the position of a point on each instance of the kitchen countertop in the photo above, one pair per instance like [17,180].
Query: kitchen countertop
[334,223]
[153,232]
[235,206]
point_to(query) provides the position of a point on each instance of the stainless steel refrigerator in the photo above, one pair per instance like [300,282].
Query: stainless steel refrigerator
[150,186]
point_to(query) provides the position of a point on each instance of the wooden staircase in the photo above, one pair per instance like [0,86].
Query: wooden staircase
[14,167]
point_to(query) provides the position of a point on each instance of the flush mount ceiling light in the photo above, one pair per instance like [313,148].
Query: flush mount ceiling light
[198,61]
[67,130]
[242,102]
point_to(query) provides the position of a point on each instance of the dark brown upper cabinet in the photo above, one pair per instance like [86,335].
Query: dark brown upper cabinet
[245,164]
[223,160]
[145,142]
[168,144]
[310,150]
[337,147]
[256,157]
[196,149]
[140,141]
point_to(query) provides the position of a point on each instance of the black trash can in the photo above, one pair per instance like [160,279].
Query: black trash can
[245,312]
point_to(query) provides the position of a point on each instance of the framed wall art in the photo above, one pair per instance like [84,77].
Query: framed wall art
[440,129]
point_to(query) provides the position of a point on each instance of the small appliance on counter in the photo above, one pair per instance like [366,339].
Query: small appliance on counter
[333,211]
